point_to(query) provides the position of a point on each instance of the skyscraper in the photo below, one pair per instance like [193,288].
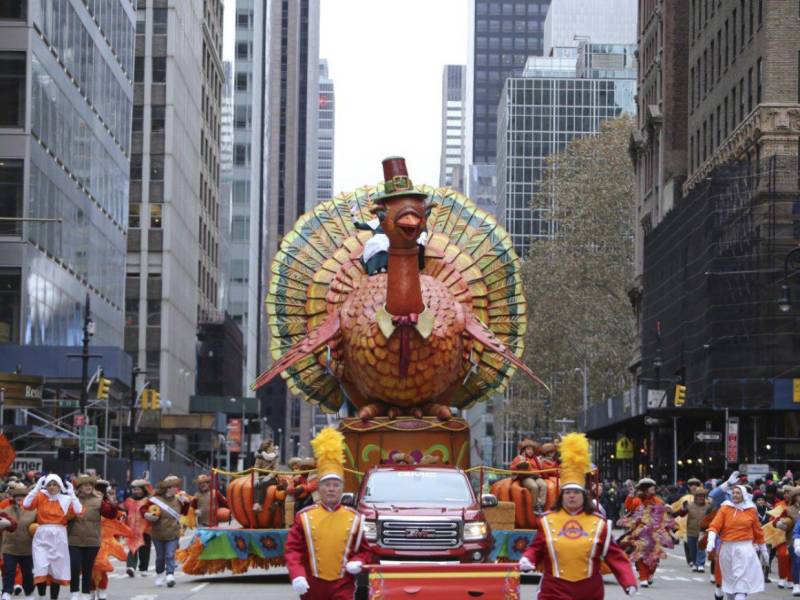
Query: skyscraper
[66,98]
[173,278]
[325,134]
[291,158]
[453,154]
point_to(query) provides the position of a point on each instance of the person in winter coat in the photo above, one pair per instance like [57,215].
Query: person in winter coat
[16,546]
[139,554]
[202,501]
[695,511]
[163,510]
[786,522]
[736,524]
[55,504]
[83,534]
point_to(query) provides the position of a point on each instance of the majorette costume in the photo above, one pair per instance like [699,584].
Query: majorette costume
[572,545]
[50,548]
[202,502]
[649,524]
[324,540]
[738,527]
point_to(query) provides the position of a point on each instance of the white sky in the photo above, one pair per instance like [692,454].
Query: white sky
[386,59]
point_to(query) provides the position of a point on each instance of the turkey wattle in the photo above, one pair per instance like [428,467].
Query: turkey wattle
[418,338]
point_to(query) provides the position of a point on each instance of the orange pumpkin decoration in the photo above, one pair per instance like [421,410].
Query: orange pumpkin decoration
[240,499]
[511,489]
[223,515]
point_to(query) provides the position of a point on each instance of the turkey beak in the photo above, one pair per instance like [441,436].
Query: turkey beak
[409,223]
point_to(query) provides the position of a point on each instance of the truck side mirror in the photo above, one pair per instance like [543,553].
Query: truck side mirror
[488,500]
[349,499]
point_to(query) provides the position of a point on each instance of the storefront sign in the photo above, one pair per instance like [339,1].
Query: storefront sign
[796,391]
[624,449]
[732,447]
[21,391]
[23,464]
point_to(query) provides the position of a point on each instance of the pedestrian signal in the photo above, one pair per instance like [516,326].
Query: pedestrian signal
[680,395]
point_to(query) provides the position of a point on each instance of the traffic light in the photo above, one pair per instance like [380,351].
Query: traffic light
[102,388]
[680,395]
[151,400]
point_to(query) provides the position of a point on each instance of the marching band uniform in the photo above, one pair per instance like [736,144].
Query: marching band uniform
[572,545]
[324,541]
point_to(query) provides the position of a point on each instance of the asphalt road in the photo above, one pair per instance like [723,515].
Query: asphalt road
[673,582]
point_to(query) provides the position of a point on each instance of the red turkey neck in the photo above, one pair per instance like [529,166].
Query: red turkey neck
[403,288]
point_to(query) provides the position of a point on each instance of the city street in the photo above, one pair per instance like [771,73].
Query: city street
[672,581]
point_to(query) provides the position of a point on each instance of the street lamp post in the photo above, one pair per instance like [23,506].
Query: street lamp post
[785,300]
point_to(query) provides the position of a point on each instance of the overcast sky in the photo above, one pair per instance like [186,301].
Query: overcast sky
[386,59]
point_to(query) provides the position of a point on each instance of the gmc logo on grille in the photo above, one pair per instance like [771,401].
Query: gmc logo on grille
[419,533]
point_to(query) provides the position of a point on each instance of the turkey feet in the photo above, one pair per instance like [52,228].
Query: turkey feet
[379,409]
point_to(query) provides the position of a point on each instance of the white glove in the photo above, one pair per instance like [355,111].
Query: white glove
[712,541]
[4,523]
[631,590]
[525,564]
[40,483]
[354,567]
[762,548]
[796,544]
[733,478]
[183,499]
[300,585]
[151,517]
[70,490]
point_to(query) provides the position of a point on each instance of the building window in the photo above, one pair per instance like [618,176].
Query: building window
[153,313]
[157,117]
[152,366]
[733,39]
[241,154]
[138,69]
[750,90]
[156,167]
[13,9]
[243,19]
[155,216]
[760,12]
[240,228]
[12,89]
[11,185]
[750,17]
[131,312]
[134,215]
[137,122]
[727,28]
[241,82]
[711,64]
[159,21]
[136,166]
[742,24]
[242,50]
[759,80]
[159,69]
[10,294]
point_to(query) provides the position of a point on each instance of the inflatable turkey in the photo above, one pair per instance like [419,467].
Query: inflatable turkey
[413,310]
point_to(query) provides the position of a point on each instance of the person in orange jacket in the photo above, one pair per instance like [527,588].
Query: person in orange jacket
[737,526]
[643,496]
[527,460]
[786,521]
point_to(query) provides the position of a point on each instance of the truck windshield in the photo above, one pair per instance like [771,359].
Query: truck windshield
[418,486]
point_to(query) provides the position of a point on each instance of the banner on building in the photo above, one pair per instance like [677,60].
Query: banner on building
[235,435]
[732,447]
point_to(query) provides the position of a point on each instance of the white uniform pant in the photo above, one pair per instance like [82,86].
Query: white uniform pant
[51,554]
[741,568]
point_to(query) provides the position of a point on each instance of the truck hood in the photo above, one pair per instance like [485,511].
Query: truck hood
[418,509]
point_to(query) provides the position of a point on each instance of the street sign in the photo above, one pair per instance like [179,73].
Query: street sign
[624,449]
[732,446]
[67,403]
[88,438]
[7,454]
[708,436]
[23,464]
[656,399]
[654,421]
[78,420]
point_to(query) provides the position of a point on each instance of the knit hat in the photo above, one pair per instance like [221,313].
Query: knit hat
[329,450]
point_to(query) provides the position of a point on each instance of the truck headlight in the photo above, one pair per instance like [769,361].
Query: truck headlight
[370,531]
[475,530]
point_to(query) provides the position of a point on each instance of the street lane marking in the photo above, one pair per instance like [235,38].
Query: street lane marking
[197,588]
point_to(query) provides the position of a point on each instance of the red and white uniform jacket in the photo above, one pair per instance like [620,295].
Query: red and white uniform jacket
[568,551]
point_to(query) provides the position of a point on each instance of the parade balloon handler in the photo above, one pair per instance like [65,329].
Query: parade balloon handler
[786,521]
[17,544]
[163,510]
[742,551]
[573,540]
[139,546]
[83,534]
[202,501]
[55,504]
[649,529]
[325,546]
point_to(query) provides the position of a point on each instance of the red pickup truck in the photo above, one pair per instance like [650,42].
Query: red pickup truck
[423,513]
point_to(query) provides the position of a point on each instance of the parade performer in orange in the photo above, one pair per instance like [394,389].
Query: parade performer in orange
[325,547]
[786,521]
[55,505]
[646,525]
[737,525]
[527,460]
[573,540]
[112,532]
[139,544]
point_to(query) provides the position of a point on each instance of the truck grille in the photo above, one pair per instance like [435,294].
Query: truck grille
[415,535]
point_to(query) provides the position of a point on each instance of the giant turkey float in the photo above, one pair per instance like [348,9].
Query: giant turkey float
[403,303]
